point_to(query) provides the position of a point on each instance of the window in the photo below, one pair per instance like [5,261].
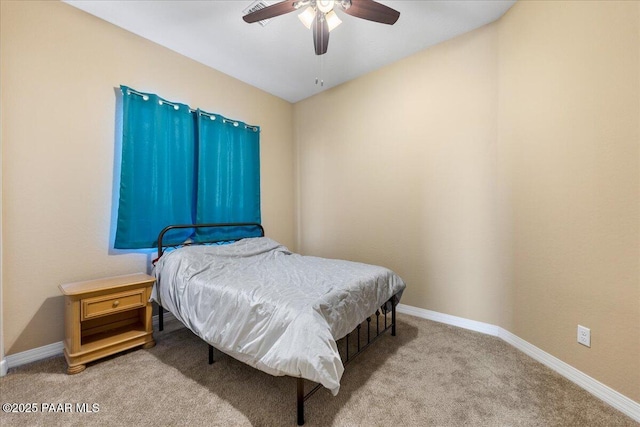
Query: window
[183,166]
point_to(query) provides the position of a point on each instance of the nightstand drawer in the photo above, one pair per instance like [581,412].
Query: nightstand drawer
[113,303]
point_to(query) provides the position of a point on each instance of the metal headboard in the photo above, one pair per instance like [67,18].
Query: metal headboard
[213,225]
[173,227]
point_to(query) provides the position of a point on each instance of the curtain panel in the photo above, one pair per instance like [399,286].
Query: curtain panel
[183,166]
[228,176]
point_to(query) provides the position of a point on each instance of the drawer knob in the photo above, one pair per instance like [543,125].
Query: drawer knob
[116,303]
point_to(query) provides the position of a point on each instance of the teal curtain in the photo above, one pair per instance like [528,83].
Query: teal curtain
[181,166]
[228,177]
[157,185]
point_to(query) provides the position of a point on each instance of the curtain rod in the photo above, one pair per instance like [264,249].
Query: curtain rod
[191,110]
[225,120]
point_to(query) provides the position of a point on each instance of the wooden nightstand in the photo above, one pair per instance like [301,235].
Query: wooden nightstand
[106,316]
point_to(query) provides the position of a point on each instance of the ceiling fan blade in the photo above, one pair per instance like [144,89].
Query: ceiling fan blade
[372,11]
[320,30]
[270,11]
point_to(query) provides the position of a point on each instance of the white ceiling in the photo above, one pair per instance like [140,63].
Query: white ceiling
[279,58]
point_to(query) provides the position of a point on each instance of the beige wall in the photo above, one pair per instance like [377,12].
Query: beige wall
[397,168]
[498,174]
[59,69]
[569,133]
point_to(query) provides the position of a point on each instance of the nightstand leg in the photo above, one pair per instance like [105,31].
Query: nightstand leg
[150,344]
[71,370]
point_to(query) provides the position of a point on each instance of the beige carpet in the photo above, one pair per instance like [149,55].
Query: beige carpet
[430,374]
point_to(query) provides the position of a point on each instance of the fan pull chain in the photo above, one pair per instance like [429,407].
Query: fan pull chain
[321,66]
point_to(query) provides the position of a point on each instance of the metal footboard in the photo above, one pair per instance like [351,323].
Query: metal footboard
[347,357]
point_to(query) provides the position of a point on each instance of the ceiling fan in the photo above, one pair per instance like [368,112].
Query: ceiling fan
[321,18]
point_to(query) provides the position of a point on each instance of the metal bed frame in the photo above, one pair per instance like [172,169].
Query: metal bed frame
[346,355]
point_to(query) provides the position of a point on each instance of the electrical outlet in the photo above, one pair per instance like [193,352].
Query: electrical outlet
[584,336]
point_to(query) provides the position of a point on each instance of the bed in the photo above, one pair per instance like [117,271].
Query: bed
[280,312]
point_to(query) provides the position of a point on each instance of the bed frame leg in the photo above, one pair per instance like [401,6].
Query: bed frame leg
[160,318]
[393,319]
[210,354]
[300,401]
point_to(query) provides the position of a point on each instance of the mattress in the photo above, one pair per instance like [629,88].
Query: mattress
[275,310]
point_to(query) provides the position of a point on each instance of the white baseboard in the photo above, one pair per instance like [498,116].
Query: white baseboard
[619,401]
[24,357]
[460,322]
[50,350]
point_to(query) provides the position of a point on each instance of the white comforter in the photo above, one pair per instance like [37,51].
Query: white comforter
[274,310]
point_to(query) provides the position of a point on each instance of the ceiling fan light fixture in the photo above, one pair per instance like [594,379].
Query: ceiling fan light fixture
[307,16]
[320,17]
[324,6]
[332,20]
